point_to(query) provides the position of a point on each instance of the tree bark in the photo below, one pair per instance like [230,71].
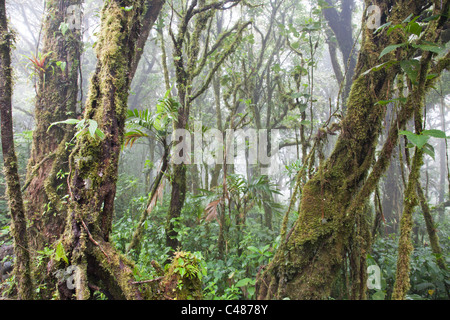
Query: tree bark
[22,268]
[94,162]
[411,200]
[56,100]
[152,9]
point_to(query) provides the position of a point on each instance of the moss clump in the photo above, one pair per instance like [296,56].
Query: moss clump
[183,280]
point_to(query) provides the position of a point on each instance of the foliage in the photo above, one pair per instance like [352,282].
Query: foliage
[83,127]
[158,123]
[427,279]
[421,140]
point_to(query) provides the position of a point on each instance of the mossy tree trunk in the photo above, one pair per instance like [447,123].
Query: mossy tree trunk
[57,93]
[414,196]
[411,200]
[94,161]
[331,222]
[18,221]
[151,202]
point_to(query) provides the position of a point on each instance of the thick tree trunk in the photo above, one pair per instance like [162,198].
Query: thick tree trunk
[411,200]
[94,162]
[153,7]
[331,221]
[22,268]
[56,100]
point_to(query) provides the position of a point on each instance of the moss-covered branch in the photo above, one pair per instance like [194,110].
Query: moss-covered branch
[22,266]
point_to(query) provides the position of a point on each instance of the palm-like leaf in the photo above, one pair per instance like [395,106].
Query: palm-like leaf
[141,123]
[211,210]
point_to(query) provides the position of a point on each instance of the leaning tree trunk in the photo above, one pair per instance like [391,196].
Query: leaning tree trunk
[57,93]
[331,222]
[18,225]
[94,161]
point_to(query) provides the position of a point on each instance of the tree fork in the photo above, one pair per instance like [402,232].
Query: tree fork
[94,161]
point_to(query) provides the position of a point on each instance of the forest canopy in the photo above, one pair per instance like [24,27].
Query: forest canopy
[224,150]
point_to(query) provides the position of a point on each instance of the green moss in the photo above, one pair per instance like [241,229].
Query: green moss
[183,278]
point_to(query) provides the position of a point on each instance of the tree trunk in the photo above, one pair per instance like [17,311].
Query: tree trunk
[411,200]
[341,24]
[94,162]
[22,266]
[330,222]
[186,72]
[56,100]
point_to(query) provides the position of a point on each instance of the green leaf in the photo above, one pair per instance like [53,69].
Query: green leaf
[415,28]
[60,253]
[379,295]
[63,27]
[68,121]
[295,45]
[391,48]
[384,26]
[428,47]
[93,125]
[408,19]
[302,107]
[411,68]
[61,65]
[392,28]
[385,65]
[417,139]
[243,282]
[305,123]
[435,17]
[276,68]
[254,249]
[429,150]
[435,133]
[100,134]
[386,102]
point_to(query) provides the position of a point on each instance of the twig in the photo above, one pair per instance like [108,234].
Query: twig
[92,239]
[147,281]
